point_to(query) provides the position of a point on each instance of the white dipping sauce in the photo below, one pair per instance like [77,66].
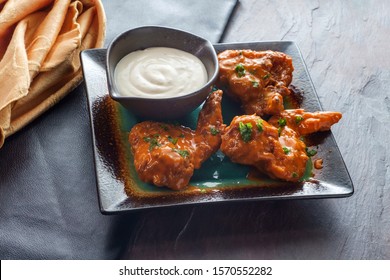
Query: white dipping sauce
[159,73]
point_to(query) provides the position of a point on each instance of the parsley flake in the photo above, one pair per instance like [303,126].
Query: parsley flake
[172,140]
[153,142]
[255,84]
[245,131]
[294,175]
[298,119]
[164,126]
[310,153]
[280,131]
[182,153]
[286,150]
[282,122]
[259,125]
[266,76]
[240,70]
[214,131]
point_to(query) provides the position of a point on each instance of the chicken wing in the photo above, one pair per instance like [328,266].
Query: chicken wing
[167,154]
[257,79]
[275,147]
[307,122]
[250,140]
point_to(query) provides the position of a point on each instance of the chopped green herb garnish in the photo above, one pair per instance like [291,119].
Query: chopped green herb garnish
[152,141]
[181,135]
[245,131]
[259,125]
[286,150]
[240,53]
[214,131]
[172,140]
[164,126]
[255,84]
[298,119]
[240,70]
[310,153]
[182,153]
[294,175]
[280,130]
[282,122]
[253,72]
[266,76]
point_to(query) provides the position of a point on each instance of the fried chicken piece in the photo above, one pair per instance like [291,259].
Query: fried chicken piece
[167,154]
[306,122]
[257,79]
[250,140]
[275,147]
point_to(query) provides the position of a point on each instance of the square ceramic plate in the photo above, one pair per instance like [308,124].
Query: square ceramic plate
[218,180]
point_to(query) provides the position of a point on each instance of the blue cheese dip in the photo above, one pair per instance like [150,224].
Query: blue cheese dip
[159,72]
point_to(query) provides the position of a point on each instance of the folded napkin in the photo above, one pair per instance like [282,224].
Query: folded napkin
[40,42]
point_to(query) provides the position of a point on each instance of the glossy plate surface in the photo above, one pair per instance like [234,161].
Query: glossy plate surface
[218,180]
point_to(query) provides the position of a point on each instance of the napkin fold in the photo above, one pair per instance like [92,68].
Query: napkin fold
[40,42]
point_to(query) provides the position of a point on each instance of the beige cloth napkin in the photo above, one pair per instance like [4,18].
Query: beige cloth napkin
[40,43]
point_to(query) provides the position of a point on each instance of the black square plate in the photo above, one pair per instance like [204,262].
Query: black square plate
[218,180]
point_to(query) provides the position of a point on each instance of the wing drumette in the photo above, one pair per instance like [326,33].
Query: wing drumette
[307,122]
[167,154]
